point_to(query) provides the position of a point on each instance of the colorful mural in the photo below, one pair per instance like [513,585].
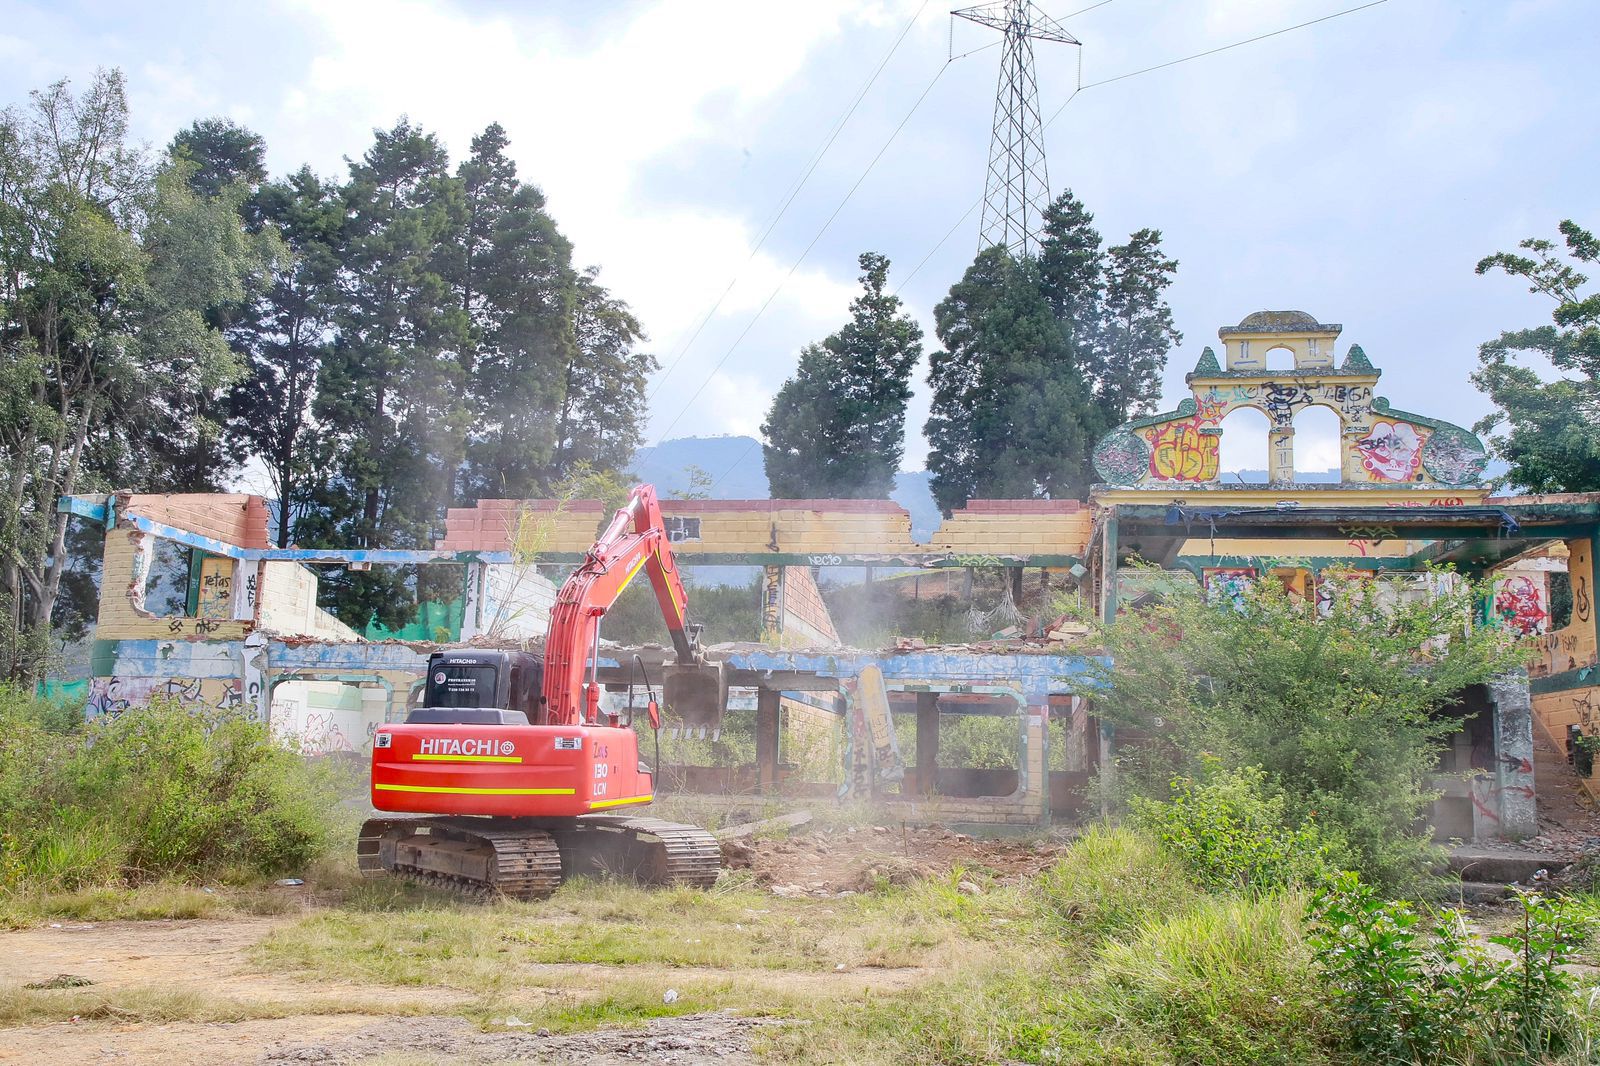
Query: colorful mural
[1378,444]
[1520,604]
[1184,451]
[1391,451]
[1227,584]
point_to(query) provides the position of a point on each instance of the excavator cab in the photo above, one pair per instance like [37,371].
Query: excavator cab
[481,687]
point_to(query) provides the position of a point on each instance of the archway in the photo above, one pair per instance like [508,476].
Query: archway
[1318,455]
[1243,452]
[1279,357]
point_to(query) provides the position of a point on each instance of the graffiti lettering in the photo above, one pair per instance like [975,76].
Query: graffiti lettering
[1391,451]
[1372,533]
[1182,451]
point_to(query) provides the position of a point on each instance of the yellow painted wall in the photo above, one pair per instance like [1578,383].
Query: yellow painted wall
[1573,646]
[119,619]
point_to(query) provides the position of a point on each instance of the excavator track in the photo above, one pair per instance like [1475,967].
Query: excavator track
[481,858]
[648,850]
[487,858]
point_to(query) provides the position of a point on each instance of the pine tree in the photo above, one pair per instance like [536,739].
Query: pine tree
[283,337]
[1112,304]
[1011,414]
[600,423]
[518,290]
[392,396]
[837,428]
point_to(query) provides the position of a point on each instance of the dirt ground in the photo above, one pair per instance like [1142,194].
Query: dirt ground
[338,1040]
[339,1023]
[834,860]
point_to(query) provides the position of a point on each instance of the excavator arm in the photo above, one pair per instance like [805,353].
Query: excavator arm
[636,539]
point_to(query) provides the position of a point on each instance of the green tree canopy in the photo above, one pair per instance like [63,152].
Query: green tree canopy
[1041,356]
[109,265]
[1011,413]
[836,429]
[1548,431]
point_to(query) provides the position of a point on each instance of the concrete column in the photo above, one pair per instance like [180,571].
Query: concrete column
[927,743]
[471,600]
[246,589]
[1281,455]
[1513,757]
[767,730]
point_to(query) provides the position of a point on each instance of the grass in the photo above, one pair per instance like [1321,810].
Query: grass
[1114,955]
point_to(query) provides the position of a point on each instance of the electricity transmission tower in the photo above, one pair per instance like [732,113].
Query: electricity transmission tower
[1018,185]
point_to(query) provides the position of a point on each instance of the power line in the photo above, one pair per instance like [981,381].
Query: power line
[783,207]
[1236,44]
[977,203]
[802,256]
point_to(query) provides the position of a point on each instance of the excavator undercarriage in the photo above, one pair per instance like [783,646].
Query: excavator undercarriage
[528,858]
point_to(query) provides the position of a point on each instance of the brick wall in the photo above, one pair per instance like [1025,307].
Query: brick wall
[288,604]
[804,614]
[1019,527]
[812,527]
[531,525]
[233,518]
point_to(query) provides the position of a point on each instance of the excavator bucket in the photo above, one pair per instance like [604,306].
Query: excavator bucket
[697,696]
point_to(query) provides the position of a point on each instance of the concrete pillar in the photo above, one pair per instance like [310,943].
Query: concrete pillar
[927,743]
[471,599]
[767,730]
[246,589]
[1513,757]
[1282,454]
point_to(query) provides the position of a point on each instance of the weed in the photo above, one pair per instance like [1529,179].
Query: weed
[1411,991]
[156,792]
[1113,881]
[1229,830]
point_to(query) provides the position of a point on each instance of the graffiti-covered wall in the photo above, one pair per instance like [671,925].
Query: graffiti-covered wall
[1379,444]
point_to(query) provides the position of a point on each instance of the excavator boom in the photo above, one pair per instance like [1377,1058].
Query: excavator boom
[636,539]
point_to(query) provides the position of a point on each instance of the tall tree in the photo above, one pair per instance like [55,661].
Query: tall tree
[1112,303]
[108,266]
[837,427]
[283,337]
[223,153]
[1548,431]
[391,398]
[1011,413]
[519,292]
[1136,329]
[601,419]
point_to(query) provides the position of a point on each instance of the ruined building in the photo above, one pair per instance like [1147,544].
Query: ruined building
[1409,492]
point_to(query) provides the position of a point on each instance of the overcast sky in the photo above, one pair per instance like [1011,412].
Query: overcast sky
[1355,169]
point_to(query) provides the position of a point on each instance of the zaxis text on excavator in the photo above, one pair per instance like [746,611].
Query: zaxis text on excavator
[512,775]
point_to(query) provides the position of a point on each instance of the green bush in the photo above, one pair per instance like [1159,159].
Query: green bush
[1416,992]
[1335,704]
[156,792]
[1232,833]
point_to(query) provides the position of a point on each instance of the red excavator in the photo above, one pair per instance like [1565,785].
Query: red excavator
[519,776]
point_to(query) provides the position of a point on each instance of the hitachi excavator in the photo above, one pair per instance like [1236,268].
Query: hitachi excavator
[511,774]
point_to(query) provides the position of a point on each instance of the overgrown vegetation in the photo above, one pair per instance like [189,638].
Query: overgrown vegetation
[162,791]
[1334,702]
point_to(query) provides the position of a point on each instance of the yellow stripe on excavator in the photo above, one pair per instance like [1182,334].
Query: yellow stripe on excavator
[620,802]
[445,791]
[467,758]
